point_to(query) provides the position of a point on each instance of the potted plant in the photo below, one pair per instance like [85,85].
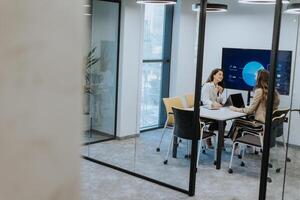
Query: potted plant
[88,89]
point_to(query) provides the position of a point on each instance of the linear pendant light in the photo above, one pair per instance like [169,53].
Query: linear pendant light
[261,1]
[166,2]
[211,7]
[293,8]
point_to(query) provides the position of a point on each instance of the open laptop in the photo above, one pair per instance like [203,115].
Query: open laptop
[235,100]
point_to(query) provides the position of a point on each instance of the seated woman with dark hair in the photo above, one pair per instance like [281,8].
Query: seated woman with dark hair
[211,95]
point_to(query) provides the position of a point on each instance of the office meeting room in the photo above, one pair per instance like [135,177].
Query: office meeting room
[201,97]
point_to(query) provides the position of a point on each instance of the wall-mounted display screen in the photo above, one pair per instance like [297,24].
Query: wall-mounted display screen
[241,66]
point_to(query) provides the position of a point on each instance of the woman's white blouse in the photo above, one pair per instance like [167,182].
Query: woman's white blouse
[209,94]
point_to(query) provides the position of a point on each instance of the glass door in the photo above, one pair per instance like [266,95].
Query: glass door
[102,69]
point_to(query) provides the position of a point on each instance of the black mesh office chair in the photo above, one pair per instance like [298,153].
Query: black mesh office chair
[184,129]
[255,139]
[279,129]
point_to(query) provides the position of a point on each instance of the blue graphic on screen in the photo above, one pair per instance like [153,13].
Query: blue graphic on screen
[250,72]
[242,65]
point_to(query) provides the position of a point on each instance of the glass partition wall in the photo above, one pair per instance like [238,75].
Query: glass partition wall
[101,71]
[239,42]
[285,147]
[131,151]
[245,31]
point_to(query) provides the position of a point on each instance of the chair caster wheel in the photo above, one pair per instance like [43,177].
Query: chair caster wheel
[166,162]
[230,171]
[187,156]
[215,162]
[278,170]
[255,152]
[180,140]
[270,165]
[240,156]
[203,151]
[269,180]
[157,149]
[288,160]
[242,164]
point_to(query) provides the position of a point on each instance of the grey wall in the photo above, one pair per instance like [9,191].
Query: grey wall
[41,59]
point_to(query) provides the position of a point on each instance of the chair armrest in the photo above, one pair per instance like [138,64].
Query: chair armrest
[251,133]
[259,122]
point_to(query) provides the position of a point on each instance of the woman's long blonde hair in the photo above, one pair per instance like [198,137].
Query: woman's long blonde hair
[262,83]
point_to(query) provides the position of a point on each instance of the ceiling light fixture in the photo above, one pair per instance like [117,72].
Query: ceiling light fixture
[211,7]
[266,2]
[165,2]
[293,8]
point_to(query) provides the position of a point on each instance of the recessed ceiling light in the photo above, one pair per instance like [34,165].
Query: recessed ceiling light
[293,8]
[211,7]
[267,2]
[168,2]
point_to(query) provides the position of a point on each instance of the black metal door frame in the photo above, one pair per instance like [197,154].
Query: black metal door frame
[270,100]
[117,70]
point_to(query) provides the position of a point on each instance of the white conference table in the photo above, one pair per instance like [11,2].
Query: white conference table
[221,115]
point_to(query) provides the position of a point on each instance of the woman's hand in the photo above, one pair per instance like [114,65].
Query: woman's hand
[235,109]
[220,89]
[216,105]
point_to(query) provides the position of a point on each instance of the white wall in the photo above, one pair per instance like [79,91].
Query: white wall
[243,26]
[130,63]
[183,65]
[41,59]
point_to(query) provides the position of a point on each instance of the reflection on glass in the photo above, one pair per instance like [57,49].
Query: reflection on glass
[103,74]
[150,163]
[292,173]
[153,31]
[104,39]
[151,94]
[287,183]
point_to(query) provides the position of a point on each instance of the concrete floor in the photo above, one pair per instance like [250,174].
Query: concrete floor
[99,182]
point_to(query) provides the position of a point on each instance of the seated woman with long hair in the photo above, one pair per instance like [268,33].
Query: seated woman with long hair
[211,96]
[257,107]
[212,90]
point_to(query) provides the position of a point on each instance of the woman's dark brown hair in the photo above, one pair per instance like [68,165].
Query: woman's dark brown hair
[262,83]
[211,76]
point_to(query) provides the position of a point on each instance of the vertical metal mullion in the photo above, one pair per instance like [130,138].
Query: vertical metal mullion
[270,101]
[199,71]
[167,46]
[117,71]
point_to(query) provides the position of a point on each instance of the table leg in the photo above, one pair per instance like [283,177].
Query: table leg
[175,145]
[221,131]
